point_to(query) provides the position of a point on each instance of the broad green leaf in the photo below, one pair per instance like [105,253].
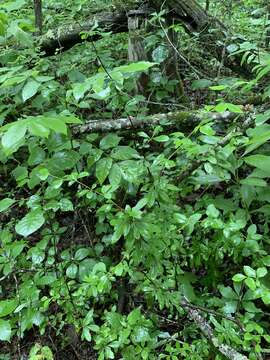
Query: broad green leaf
[160,54]
[228,293]
[124,153]
[38,128]
[234,108]
[266,298]
[201,84]
[135,67]
[212,211]
[250,283]
[162,138]
[266,260]
[7,307]
[94,156]
[14,137]
[218,87]
[5,204]
[30,89]
[239,277]
[80,89]
[252,181]
[103,167]
[66,205]
[259,161]
[115,175]
[43,173]
[249,271]
[261,272]
[56,124]
[5,330]
[258,136]
[109,141]
[30,223]
[82,254]
[72,271]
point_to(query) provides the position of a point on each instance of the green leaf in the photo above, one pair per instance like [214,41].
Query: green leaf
[66,205]
[261,272]
[7,307]
[109,141]
[250,283]
[103,168]
[115,175]
[160,54]
[249,271]
[14,137]
[5,330]
[56,124]
[239,277]
[38,128]
[5,204]
[124,153]
[201,84]
[72,271]
[30,223]
[266,260]
[218,87]
[228,293]
[252,181]
[43,173]
[259,161]
[135,67]
[212,211]
[82,254]
[266,298]
[162,138]
[30,89]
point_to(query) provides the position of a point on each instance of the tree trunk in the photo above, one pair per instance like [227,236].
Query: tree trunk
[38,15]
[137,21]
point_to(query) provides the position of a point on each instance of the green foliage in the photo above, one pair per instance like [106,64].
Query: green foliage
[108,233]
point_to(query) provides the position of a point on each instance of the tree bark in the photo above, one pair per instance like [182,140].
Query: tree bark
[66,36]
[38,15]
[137,21]
[182,120]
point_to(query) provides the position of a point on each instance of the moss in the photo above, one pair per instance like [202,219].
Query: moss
[180,116]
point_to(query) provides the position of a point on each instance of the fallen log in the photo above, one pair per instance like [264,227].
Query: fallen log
[184,120]
[66,36]
[210,31]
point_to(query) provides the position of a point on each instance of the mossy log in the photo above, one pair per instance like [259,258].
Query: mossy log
[181,120]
